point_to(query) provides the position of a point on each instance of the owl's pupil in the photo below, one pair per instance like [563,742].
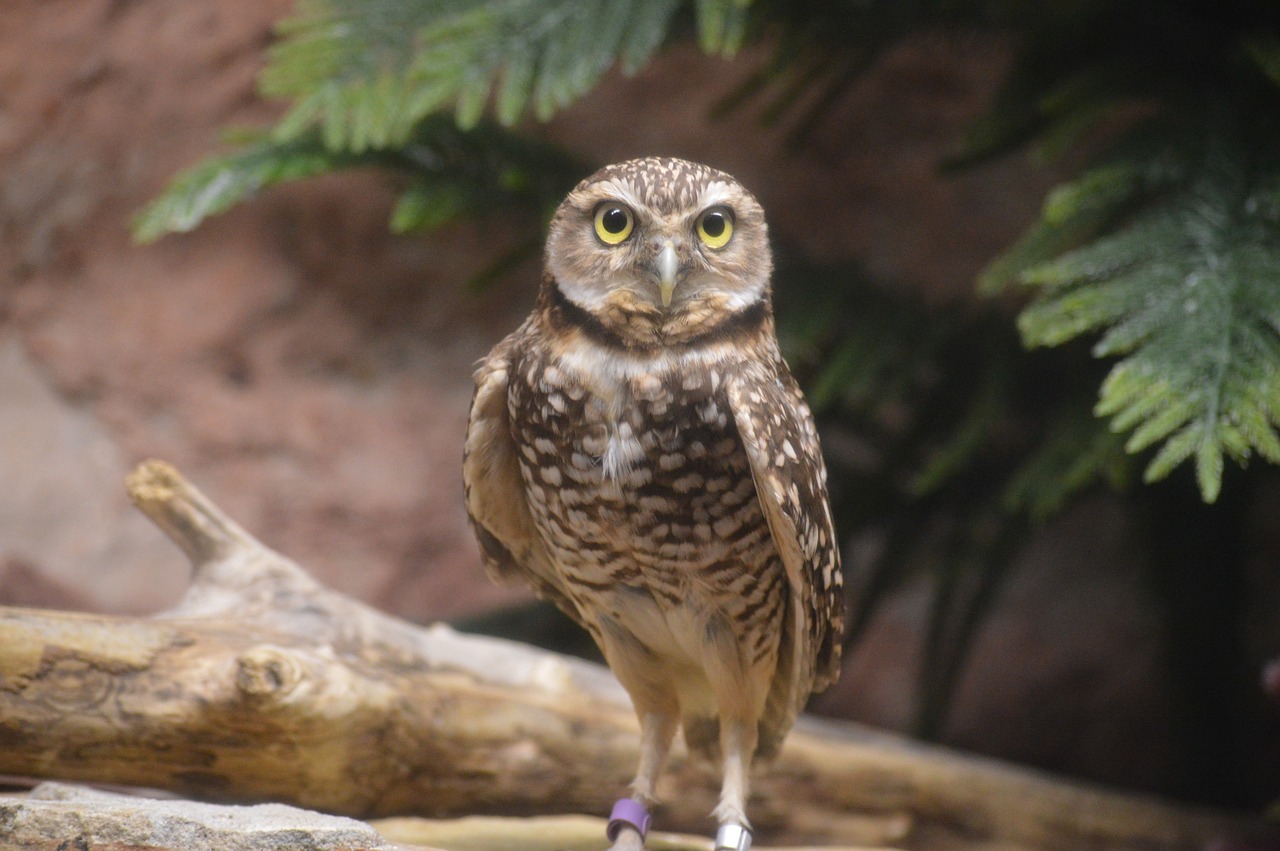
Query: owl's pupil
[713,225]
[614,221]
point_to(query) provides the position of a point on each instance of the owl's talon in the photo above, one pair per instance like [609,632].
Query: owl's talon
[733,837]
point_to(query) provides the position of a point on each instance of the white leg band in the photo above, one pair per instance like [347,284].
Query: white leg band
[733,837]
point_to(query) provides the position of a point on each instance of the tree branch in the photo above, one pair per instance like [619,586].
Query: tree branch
[263,685]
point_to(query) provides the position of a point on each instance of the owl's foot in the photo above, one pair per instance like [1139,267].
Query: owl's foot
[628,825]
[733,837]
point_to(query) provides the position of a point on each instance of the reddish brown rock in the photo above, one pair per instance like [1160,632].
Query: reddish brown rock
[306,366]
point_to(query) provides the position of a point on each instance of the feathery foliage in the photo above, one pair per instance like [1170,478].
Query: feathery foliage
[373,83]
[820,49]
[447,173]
[218,184]
[1188,294]
[943,441]
[1167,245]
[365,73]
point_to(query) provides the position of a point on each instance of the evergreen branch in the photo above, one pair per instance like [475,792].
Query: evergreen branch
[1187,295]
[218,184]
[1075,212]
[1264,50]
[366,72]
[452,173]
[820,50]
[972,433]
[1045,239]
[722,25]
[456,173]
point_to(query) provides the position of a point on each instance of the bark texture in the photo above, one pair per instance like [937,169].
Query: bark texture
[262,685]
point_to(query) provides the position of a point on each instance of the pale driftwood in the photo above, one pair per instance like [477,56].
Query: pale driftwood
[542,833]
[263,685]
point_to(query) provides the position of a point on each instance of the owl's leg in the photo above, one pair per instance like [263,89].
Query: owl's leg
[737,745]
[630,818]
[657,731]
[658,710]
[740,692]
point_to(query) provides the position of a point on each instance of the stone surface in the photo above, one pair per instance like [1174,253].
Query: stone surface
[64,508]
[307,368]
[59,816]
[1074,643]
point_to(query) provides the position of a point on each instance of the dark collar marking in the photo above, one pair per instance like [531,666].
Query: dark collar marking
[566,314]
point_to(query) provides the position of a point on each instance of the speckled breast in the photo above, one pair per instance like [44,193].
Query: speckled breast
[638,477]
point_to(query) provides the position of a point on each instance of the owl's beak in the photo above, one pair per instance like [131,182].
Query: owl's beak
[668,266]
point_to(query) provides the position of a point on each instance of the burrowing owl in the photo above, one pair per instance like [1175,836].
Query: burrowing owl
[639,453]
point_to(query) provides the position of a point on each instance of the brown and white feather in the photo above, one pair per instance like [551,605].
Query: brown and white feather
[655,470]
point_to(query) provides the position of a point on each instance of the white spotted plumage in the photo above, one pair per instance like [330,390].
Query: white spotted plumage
[652,468]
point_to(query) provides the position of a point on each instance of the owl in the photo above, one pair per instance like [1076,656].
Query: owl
[639,454]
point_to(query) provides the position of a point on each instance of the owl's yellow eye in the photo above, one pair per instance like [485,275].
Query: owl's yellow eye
[715,227]
[614,223]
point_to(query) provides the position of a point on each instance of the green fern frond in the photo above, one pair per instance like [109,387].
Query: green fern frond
[722,25]
[819,51]
[970,437]
[426,205]
[367,72]
[1188,295]
[451,173]
[1043,240]
[220,183]
[455,173]
[1073,213]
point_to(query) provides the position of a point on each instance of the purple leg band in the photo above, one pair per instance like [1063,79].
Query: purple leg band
[628,811]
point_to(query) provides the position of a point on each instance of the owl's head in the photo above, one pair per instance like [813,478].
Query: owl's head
[660,237]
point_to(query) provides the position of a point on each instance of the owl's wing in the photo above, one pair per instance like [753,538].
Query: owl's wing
[781,442]
[495,492]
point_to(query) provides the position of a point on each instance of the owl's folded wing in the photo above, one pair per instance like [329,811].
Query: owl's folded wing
[781,442]
[495,491]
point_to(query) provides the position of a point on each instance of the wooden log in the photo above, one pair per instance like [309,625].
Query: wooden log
[542,833]
[262,685]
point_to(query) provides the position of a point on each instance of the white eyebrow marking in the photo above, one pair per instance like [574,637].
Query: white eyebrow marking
[715,192]
[623,190]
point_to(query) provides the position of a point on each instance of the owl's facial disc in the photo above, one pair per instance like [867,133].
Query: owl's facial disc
[670,241]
